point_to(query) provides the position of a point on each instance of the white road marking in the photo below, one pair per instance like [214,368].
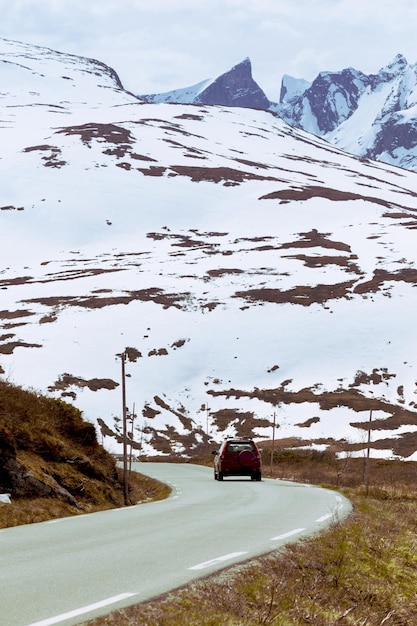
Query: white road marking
[338,507]
[288,534]
[219,559]
[121,509]
[177,491]
[85,609]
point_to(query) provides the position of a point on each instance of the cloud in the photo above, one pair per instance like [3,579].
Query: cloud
[158,45]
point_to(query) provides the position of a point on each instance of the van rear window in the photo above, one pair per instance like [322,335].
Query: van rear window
[239,447]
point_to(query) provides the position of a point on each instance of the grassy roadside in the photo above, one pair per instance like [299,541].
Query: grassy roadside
[361,572]
[32,510]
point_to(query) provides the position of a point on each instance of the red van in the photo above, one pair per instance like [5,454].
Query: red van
[237,457]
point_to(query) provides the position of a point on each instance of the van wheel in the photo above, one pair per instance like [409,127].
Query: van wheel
[215,476]
[258,476]
[220,476]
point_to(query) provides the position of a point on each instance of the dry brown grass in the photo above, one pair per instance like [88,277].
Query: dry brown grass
[31,510]
[52,464]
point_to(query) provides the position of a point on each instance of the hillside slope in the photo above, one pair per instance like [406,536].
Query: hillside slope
[51,463]
[246,269]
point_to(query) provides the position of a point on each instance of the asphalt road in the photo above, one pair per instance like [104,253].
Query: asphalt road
[70,570]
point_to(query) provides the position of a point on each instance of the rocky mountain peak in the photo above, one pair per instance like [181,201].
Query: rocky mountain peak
[370,115]
[292,88]
[398,64]
[395,69]
[236,88]
[333,96]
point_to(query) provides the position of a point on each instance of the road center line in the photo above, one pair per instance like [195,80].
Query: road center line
[288,534]
[85,609]
[219,559]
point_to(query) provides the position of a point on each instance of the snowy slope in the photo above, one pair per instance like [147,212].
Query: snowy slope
[248,268]
[37,76]
[186,95]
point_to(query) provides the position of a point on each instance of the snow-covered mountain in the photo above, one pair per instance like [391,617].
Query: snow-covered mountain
[372,116]
[37,76]
[325,104]
[246,268]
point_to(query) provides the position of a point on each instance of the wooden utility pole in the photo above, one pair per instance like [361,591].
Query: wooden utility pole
[207,422]
[368,451]
[125,469]
[131,439]
[273,443]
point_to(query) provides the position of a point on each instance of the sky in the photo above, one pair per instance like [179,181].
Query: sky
[159,45]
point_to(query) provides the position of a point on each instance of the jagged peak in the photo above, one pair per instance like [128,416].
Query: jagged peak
[398,64]
[292,87]
[242,65]
[235,87]
[245,61]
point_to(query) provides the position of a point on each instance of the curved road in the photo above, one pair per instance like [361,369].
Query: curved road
[70,570]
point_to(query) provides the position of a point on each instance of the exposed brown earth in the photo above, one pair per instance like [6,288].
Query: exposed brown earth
[10,346]
[315,191]
[313,239]
[96,302]
[11,315]
[226,175]
[404,445]
[94,384]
